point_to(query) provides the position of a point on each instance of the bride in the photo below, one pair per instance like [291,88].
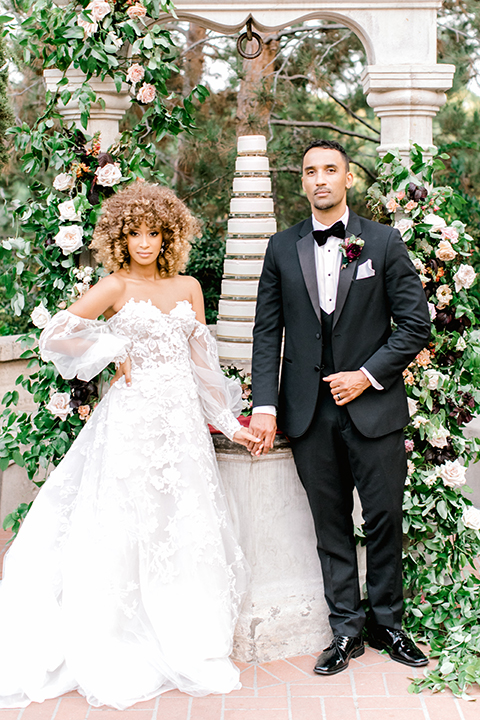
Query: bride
[126,579]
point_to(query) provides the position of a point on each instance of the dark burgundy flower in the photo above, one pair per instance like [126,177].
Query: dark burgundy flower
[416,192]
[105,159]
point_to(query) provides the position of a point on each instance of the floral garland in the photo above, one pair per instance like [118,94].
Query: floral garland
[440,523]
[57,221]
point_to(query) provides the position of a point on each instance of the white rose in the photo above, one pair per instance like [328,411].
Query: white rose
[63,182]
[412,406]
[410,468]
[403,225]
[117,41]
[59,405]
[69,238]
[98,9]
[68,213]
[429,478]
[452,473]
[418,265]
[464,277]
[435,221]
[431,379]
[438,437]
[461,344]
[432,310]
[471,518]
[108,175]
[444,295]
[40,316]
[419,420]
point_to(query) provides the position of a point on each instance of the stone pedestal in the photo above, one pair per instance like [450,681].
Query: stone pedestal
[284,613]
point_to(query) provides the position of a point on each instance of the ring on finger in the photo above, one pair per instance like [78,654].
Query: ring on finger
[339,397]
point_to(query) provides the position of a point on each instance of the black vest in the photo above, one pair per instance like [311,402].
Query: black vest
[328,366]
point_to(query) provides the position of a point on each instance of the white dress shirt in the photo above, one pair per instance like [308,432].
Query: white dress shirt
[328,261]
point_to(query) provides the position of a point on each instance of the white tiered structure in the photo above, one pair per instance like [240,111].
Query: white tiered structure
[250,225]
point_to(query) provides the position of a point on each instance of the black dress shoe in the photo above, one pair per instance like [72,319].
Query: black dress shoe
[397,644]
[336,657]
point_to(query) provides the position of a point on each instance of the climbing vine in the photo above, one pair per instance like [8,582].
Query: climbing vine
[441,526]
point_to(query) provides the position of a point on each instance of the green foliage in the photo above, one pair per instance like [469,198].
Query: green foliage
[441,527]
[6,116]
[206,264]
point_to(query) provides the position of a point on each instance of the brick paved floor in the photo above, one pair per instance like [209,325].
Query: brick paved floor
[373,688]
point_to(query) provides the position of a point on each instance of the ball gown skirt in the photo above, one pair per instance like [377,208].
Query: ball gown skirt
[126,578]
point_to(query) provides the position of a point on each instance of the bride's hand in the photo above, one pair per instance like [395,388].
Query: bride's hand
[243,437]
[124,368]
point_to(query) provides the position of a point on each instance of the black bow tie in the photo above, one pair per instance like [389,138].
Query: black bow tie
[337,230]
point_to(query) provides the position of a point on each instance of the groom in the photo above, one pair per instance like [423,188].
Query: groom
[342,401]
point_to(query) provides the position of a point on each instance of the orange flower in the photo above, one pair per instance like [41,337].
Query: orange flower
[440,273]
[423,358]
[408,377]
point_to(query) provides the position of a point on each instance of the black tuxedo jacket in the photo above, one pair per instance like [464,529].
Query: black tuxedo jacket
[362,332]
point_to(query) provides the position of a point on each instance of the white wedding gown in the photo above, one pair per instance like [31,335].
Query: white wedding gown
[126,579]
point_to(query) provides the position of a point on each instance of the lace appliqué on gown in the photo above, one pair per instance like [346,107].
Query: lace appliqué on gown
[128,551]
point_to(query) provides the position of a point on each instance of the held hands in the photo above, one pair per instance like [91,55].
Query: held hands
[124,368]
[346,386]
[264,427]
[244,437]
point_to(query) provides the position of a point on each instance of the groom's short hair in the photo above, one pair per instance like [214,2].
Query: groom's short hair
[329,145]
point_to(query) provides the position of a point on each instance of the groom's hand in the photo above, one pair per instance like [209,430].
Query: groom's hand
[346,386]
[264,426]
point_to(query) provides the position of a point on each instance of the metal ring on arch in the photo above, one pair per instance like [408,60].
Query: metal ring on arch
[247,36]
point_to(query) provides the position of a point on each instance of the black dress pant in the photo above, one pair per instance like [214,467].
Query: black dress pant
[332,458]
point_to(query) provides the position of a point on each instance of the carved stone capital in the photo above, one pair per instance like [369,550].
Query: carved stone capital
[406,98]
[105,119]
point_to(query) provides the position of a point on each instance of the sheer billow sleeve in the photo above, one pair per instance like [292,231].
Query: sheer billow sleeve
[79,347]
[221,397]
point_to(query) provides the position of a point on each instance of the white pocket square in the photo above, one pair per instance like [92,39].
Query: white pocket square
[365,270]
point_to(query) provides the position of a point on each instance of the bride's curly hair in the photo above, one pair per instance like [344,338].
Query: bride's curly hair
[161,210]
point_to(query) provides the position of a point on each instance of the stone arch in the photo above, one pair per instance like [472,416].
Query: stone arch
[211,24]
[402,81]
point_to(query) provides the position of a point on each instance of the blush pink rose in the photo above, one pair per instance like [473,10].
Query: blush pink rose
[136,11]
[449,233]
[89,28]
[392,205]
[445,251]
[98,9]
[411,205]
[146,93]
[400,195]
[135,73]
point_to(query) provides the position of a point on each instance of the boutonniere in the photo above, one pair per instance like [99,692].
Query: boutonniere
[351,248]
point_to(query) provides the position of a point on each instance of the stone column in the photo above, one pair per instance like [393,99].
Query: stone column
[106,120]
[406,98]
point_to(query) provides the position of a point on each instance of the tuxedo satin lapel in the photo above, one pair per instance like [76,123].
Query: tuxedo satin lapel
[306,256]
[354,227]
[344,282]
